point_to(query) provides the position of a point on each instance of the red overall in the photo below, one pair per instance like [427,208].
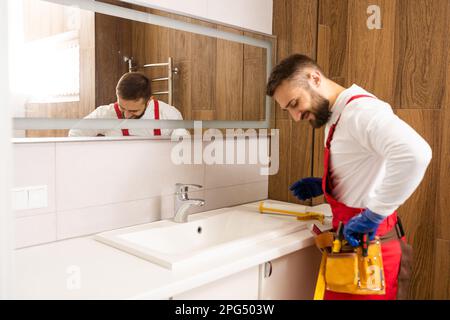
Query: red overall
[125,132]
[391,251]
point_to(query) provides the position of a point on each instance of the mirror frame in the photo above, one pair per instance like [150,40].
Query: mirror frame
[135,15]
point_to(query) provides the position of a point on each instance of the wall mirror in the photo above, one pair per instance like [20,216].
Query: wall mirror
[67,56]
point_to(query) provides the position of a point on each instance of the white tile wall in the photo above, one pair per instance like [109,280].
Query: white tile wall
[36,229]
[234,195]
[91,220]
[98,186]
[120,172]
[34,165]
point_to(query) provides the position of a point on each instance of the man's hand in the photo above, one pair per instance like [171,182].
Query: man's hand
[307,188]
[363,223]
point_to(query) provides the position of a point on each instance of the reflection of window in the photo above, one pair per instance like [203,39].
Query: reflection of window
[52,68]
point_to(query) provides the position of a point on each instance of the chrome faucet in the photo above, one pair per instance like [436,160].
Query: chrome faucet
[183,203]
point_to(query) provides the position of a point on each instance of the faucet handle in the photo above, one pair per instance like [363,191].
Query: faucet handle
[184,188]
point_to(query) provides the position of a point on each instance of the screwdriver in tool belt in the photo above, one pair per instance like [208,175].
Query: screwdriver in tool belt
[365,245]
[337,243]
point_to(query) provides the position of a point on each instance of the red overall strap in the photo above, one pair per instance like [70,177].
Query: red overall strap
[125,132]
[333,127]
[156,132]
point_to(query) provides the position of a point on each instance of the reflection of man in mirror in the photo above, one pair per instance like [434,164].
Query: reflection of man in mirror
[134,101]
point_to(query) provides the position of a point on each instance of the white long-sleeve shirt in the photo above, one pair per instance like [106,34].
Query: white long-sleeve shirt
[377,160]
[166,112]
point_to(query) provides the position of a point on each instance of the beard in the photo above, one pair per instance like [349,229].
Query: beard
[137,117]
[320,108]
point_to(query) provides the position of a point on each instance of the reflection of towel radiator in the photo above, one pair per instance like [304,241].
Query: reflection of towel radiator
[170,71]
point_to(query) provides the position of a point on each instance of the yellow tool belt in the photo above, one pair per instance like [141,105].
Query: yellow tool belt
[349,270]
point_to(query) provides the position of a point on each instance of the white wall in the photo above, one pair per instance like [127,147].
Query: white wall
[250,14]
[6,235]
[98,186]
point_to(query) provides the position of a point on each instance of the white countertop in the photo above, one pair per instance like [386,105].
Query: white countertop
[47,271]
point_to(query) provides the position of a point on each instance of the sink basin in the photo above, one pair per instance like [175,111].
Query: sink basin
[205,236]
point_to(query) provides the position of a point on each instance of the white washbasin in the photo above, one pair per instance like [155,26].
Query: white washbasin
[206,235]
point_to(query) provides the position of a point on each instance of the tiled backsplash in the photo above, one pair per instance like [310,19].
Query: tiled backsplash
[102,185]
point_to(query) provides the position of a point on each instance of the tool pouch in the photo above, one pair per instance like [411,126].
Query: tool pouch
[341,272]
[349,271]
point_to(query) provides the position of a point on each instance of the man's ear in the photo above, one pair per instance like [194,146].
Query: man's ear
[316,78]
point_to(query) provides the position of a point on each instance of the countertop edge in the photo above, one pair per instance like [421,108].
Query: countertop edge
[289,244]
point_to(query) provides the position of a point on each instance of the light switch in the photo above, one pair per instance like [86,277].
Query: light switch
[20,199]
[37,197]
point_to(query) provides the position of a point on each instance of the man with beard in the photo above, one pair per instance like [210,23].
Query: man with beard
[373,160]
[134,101]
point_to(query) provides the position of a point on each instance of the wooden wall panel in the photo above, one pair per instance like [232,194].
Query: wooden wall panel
[406,63]
[213,74]
[112,42]
[418,213]
[279,183]
[371,52]
[324,60]
[254,85]
[302,17]
[443,181]
[444,174]
[295,25]
[87,64]
[421,53]
[35,27]
[301,144]
[180,48]
[43,20]
[203,70]
[441,289]
[333,14]
[229,78]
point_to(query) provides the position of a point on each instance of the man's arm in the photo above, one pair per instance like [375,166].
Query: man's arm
[96,114]
[406,155]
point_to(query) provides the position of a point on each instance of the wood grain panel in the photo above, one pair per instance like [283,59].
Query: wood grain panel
[203,70]
[83,21]
[421,51]
[282,29]
[279,183]
[333,14]
[253,105]
[181,51]
[419,211]
[87,64]
[300,141]
[443,216]
[442,270]
[371,52]
[35,27]
[303,25]
[324,60]
[229,77]
[295,25]
[112,42]
[317,165]
[444,174]
[255,76]
[323,48]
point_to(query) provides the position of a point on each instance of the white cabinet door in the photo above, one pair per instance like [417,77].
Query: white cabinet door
[292,277]
[240,286]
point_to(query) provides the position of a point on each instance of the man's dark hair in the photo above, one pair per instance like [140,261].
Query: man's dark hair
[134,86]
[288,69]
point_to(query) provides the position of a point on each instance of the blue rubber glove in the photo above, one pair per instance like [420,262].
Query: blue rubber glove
[307,188]
[366,222]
